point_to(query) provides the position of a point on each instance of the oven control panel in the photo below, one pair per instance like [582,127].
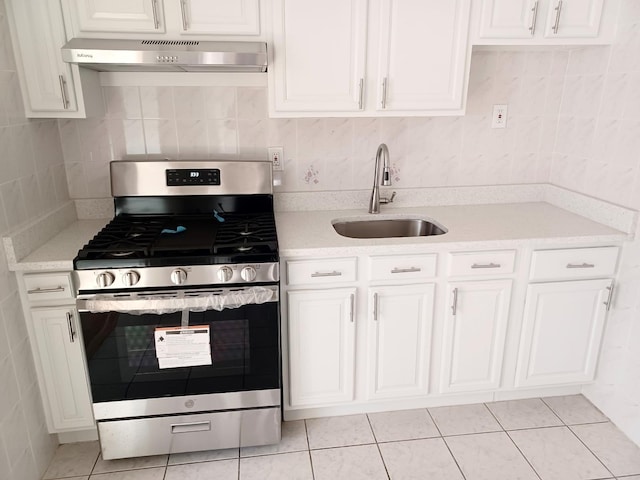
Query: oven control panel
[193,176]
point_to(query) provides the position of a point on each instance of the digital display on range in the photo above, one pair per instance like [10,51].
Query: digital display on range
[184,176]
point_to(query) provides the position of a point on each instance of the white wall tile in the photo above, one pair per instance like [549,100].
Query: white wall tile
[157,102]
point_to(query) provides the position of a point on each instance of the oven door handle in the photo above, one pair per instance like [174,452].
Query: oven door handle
[170,302]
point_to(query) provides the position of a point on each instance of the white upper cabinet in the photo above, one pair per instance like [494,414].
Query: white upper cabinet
[161,18]
[545,22]
[368,58]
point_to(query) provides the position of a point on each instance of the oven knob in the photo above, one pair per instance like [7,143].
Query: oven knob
[248,274]
[105,279]
[178,276]
[225,274]
[130,278]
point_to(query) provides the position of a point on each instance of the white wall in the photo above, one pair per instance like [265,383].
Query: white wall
[32,181]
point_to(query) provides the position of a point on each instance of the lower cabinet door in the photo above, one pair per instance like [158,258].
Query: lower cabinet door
[63,367]
[321,331]
[561,332]
[400,323]
[474,335]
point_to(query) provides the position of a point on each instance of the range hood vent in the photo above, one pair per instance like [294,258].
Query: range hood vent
[166,55]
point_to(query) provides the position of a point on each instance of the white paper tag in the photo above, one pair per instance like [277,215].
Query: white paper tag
[183,346]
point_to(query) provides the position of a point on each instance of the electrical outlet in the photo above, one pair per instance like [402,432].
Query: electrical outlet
[499,119]
[276,155]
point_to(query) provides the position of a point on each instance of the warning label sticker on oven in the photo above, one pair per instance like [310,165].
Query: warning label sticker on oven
[183,346]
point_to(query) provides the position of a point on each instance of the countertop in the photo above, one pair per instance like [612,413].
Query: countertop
[469,226]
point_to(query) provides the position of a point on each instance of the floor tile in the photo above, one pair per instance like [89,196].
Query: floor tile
[205,456]
[294,439]
[220,470]
[611,446]
[575,409]
[349,463]
[142,474]
[489,456]
[461,419]
[402,425]
[556,454]
[529,413]
[420,459]
[292,466]
[73,459]
[106,466]
[339,431]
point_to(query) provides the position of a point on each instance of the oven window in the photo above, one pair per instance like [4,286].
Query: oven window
[123,362]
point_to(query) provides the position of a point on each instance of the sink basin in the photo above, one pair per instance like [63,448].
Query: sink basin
[386,228]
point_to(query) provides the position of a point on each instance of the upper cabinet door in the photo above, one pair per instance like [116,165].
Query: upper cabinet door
[318,53]
[422,55]
[508,18]
[573,18]
[134,16]
[220,17]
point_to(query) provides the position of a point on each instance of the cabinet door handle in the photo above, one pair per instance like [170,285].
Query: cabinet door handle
[609,297]
[383,103]
[63,92]
[406,270]
[335,273]
[361,94]
[353,306]
[454,304]
[59,288]
[183,11]
[72,332]
[154,9]
[486,265]
[534,18]
[580,265]
[375,307]
[556,25]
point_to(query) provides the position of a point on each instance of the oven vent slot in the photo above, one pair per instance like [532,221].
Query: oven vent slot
[171,42]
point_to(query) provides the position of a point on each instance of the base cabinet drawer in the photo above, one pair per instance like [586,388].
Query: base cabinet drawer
[574,263]
[320,272]
[48,286]
[482,263]
[403,267]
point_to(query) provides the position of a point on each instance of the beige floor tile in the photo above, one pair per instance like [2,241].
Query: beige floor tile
[294,439]
[462,419]
[619,454]
[290,466]
[220,470]
[575,409]
[205,456]
[556,454]
[402,425]
[142,474]
[122,464]
[419,459]
[73,459]
[489,456]
[529,413]
[362,462]
[339,431]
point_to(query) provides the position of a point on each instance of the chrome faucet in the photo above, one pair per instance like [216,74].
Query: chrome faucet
[374,203]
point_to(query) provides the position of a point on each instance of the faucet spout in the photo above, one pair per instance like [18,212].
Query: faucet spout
[375,201]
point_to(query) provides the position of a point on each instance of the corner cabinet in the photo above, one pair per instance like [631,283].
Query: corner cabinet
[368,57]
[50,87]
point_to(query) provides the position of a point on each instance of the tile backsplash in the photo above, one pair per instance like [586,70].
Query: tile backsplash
[333,153]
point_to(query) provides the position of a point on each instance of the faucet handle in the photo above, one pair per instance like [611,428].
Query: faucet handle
[385,200]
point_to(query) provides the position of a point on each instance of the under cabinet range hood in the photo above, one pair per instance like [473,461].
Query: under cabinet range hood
[166,55]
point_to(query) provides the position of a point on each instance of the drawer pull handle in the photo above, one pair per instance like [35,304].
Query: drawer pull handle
[486,265]
[406,270]
[72,332]
[191,427]
[59,288]
[335,273]
[580,265]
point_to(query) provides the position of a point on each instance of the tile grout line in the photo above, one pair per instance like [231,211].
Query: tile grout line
[591,451]
[384,464]
[306,436]
[446,444]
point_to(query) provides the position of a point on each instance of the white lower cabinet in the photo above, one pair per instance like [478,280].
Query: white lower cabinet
[475,329]
[321,340]
[56,332]
[400,324]
[562,329]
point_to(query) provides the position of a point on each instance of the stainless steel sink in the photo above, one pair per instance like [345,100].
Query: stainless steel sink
[386,228]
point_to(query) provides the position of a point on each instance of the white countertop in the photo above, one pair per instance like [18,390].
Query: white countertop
[469,226]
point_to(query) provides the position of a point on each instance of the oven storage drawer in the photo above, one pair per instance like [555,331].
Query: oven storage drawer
[573,263]
[189,433]
[48,286]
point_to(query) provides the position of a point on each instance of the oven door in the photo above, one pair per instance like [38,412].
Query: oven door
[151,345]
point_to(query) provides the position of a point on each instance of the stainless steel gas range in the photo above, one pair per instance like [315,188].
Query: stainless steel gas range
[179,307]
